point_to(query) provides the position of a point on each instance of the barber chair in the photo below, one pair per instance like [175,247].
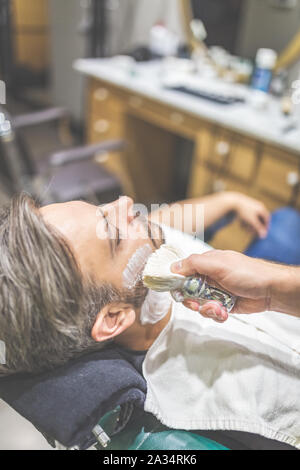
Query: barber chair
[65,175]
[97,402]
[77,407]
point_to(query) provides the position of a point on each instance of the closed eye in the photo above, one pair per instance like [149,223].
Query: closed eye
[114,235]
[110,238]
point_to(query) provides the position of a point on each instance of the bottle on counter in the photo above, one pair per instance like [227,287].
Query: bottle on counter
[265,63]
[163,42]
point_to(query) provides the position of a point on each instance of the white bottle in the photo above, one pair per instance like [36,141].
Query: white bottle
[163,42]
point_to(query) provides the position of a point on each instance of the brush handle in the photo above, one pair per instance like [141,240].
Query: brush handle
[197,288]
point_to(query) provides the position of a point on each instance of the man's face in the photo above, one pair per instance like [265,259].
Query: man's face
[103,239]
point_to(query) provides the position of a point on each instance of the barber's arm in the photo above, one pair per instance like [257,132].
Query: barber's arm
[249,211]
[259,285]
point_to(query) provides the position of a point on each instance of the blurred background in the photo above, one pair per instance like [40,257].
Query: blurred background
[159,100]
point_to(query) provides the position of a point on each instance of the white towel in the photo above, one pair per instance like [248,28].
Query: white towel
[243,375]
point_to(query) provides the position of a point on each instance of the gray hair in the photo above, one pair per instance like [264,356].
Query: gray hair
[47,309]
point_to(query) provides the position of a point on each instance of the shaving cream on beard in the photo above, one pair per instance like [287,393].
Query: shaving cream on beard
[156,304]
[155,307]
[132,274]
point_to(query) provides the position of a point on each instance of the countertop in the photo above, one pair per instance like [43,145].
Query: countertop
[146,79]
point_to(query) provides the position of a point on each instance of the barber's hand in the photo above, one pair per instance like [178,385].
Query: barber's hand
[253,214]
[246,278]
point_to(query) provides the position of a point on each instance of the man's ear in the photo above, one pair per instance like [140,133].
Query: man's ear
[112,320]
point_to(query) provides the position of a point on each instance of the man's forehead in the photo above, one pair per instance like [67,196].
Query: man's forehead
[74,218]
[67,207]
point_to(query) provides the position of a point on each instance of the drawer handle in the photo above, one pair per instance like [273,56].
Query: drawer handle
[101,94]
[102,126]
[219,186]
[102,158]
[293,178]
[177,118]
[223,148]
[135,102]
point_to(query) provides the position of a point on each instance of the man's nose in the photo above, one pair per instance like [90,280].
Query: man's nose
[126,209]
[123,210]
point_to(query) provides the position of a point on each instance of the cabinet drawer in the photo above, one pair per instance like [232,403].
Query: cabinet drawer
[164,115]
[226,183]
[217,146]
[243,159]
[205,140]
[228,153]
[233,237]
[104,129]
[104,100]
[200,181]
[207,181]
[277,176]
[105,104]
[270,202]
[204,181]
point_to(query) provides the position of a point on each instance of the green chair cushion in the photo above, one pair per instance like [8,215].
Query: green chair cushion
[145,432]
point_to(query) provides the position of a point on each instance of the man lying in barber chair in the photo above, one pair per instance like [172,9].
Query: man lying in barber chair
[62,296]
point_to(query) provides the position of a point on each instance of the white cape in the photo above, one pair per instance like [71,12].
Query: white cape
[243,375]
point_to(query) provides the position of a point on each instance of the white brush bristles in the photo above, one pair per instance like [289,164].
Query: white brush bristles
[157,274]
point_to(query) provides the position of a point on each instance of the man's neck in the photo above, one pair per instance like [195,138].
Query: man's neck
[141,337]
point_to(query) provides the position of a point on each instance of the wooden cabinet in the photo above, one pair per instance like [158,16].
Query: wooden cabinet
[104,129]
[278,176]
[217,145]
[226,153]
[164,116]
[104,102]
[105,122]
[224,160]
[244,159]
[31,33]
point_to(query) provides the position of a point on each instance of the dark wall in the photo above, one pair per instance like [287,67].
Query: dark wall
[221,19]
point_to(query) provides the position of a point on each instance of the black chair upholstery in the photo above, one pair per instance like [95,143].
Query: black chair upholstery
[67,403]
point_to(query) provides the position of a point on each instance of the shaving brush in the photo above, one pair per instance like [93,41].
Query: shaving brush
[158,276]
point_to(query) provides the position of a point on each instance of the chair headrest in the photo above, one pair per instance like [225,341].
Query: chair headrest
[66,404]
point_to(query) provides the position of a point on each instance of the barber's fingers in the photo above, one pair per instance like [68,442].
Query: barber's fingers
[216,311]
[212,309]
[206,264]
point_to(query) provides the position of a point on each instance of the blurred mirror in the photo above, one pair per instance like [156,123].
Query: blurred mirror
[244,26]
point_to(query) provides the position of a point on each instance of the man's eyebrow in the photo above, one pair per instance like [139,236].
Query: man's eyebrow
[108,231]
